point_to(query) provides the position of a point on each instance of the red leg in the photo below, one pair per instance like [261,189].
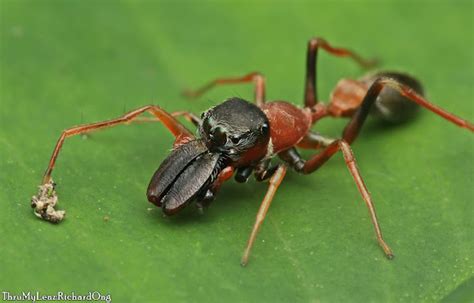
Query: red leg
[176,128]
[46,199]
[275,182]
[292,157]
[353,127]
[187,115]
[256,78]
[311,95]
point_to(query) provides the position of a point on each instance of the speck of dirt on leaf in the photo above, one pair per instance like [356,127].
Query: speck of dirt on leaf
[45,201]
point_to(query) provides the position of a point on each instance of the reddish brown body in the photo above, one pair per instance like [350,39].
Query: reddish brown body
[240,138]
[347,97]
[288,125]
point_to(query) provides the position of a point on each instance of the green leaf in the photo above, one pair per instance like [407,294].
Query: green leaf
[65,63]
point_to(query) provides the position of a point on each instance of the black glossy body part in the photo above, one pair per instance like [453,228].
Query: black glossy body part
[389,105]
[169,170]
[190,170]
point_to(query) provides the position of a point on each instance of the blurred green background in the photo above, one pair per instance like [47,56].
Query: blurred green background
[69,62]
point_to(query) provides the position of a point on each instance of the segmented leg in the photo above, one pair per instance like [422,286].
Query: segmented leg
[46,199]
[311,94]
[294,159]
[187,115]
[353,127]
[255,77]
[275,182]
[176,128]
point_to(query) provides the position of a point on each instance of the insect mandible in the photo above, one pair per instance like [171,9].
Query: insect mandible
[238,138]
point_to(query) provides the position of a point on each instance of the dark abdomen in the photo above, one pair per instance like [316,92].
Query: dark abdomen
[390,105]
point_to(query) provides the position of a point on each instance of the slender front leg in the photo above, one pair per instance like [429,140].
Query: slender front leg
[46,199]
[177,129]
[275,182]
[187,115]
[255,77]
[311,94]
[355,124]
[306,167]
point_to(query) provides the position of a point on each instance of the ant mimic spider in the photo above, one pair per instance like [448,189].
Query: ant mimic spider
[238,138]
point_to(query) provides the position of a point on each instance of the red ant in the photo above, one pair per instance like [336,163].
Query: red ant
[238,137]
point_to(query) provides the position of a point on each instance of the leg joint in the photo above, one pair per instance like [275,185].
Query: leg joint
[346,151]
[315,42]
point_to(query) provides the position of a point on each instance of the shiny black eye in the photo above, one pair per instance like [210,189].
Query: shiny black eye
[265,128]
[219,136]
[235,139]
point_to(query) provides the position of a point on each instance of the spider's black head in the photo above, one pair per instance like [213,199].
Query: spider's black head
[235,128]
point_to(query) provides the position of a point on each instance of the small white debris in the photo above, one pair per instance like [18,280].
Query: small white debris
[44,202]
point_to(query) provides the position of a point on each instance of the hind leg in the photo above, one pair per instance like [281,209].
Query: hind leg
[353,127]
